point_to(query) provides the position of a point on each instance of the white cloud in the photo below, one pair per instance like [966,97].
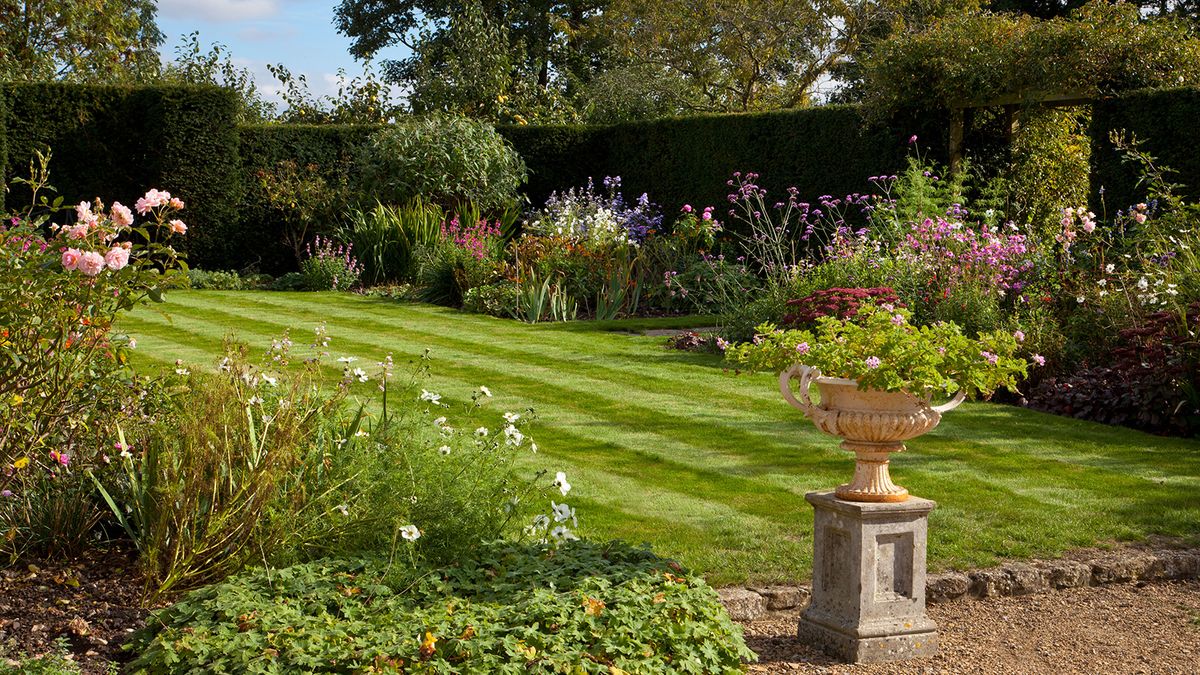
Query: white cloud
[218,10]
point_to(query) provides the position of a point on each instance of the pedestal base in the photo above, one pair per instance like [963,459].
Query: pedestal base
[868,595]
[900,647]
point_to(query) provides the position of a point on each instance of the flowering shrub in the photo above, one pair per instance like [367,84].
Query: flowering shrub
[581,607]
[952,252]
[839,303]
[881,350]
[600,220]
[65,383]
[329,266]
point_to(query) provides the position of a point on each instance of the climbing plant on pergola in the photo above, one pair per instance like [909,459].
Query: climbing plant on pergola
[1012,61]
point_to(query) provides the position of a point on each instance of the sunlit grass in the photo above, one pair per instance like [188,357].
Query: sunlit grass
[711,467]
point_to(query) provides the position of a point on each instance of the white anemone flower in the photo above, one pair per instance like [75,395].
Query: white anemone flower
[560,482]
[360,374]
[511,418]
[485,391]
[561,533]
[410,533]
[481,432]
[445,449]
[431,397]
[563,513]
[512,436]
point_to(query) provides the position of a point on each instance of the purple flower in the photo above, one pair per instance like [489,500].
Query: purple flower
[1039,359]
[1019,335]
[872,362]
[912,139]
[802,348]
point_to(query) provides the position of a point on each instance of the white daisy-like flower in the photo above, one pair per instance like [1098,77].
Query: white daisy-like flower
[360,374]
[511,418]
[361,433]
[347,359]
[445,449]
[485,391]
[1109,268]
[541,521]
[481,432]
[410,533]
[270,380]
[431,397]
[254,400]
[439,422]
[182,371]
[560,482]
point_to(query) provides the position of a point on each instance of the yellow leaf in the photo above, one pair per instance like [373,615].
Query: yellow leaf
[593,606]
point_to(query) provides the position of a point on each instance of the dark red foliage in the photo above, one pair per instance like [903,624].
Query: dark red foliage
[842,303]
[1151,381]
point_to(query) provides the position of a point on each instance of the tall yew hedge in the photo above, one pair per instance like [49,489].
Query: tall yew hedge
[115,142]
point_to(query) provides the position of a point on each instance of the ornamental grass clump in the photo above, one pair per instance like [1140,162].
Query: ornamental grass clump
[881,349]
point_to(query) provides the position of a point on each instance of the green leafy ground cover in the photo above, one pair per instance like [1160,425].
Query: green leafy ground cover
[711,467]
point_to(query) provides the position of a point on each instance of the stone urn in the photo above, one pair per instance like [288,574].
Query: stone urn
[871,423]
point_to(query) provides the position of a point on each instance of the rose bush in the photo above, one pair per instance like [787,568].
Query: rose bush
[64,382]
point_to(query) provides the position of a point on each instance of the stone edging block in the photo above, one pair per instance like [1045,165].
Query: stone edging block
[1016,578]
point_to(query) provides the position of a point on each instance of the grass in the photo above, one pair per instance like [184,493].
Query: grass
[711,467]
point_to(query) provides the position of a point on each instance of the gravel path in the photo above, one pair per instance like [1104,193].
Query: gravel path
[1127,628]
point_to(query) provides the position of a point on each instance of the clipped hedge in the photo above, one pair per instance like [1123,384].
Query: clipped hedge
[115,142]
[687,160]
[1165,121]
[262,147]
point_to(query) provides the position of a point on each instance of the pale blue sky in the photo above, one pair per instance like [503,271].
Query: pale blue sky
[297,33]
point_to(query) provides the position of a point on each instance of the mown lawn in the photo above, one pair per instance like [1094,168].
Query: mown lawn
[711,467]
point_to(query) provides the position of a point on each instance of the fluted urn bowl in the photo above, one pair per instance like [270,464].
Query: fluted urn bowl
[871,423]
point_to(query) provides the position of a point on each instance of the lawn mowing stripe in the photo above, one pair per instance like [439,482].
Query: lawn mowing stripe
[623,365]
[746,494]
[1008,484]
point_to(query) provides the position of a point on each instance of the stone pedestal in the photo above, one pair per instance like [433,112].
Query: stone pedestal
[868,592]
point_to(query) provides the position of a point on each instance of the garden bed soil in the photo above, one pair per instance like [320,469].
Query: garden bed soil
[94,602]
[1121,628]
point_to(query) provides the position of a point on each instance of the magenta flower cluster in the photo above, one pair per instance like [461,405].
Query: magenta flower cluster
[963,250]
[477,239]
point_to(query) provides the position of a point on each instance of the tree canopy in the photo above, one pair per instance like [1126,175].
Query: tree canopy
[78,40]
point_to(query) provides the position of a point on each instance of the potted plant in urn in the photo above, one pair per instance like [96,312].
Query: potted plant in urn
[878,375]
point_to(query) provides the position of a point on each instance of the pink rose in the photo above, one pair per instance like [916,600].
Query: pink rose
[116,258]
[70,258]
[176,203]
[77,231]
[83,211]
[121,215]
[687,208]
[1139,217]
[91,263]
[178,227]
[152,200]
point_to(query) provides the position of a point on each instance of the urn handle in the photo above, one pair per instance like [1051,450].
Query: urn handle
[806,376]
[952,403]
